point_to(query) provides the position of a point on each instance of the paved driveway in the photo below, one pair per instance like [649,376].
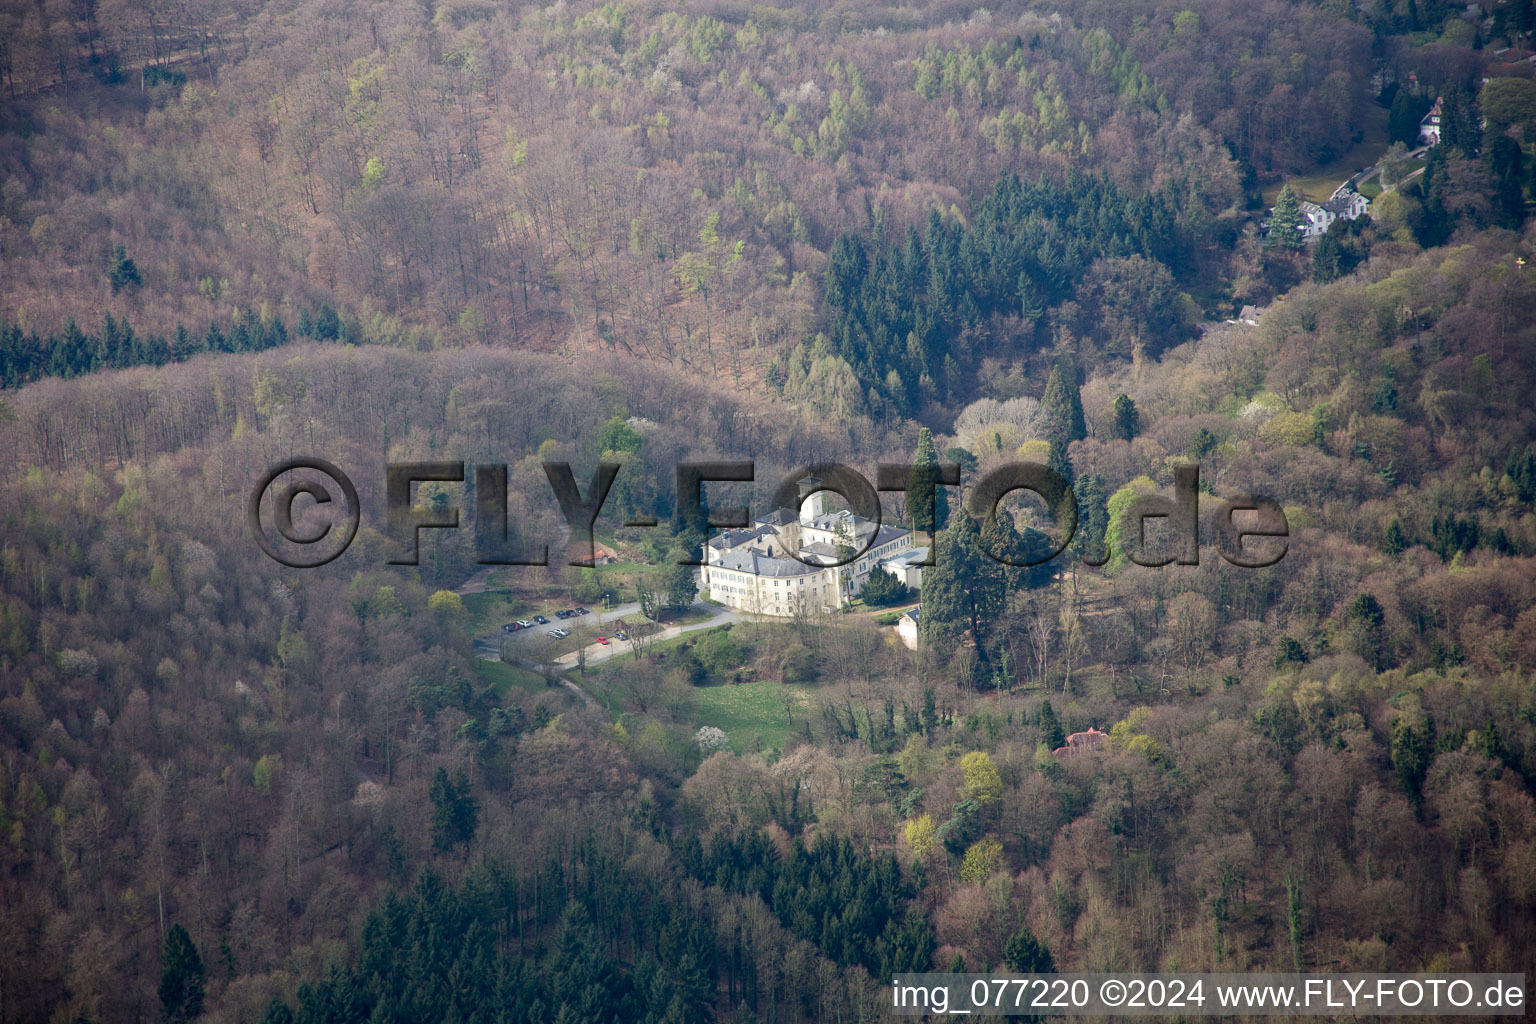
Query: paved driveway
[598,653]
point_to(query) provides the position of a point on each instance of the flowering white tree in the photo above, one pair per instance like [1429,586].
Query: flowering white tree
[710,739]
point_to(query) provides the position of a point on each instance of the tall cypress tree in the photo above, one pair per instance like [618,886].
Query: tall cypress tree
[1061,411]
[1127,418]
[1062,408]
[925,474]
[1051,731]
[1092,519]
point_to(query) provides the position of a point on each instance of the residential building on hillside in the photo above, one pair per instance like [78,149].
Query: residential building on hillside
[1429,126]
[1089,741]
[1346,204]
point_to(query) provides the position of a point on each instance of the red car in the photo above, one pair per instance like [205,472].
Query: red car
[603,640]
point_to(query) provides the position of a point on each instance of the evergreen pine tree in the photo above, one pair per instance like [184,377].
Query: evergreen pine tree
[1024,953]
[1394,542]
[1328,257]
[181,977]
[883,589]
[1127,418]
[963,591]
[925,474]
[1505,160]
[455,815]
[1407,112]
[1285,221]
[1368,629]
[1062,408]
[1051,731]
[1092,520]
[1061,411]
[123,272]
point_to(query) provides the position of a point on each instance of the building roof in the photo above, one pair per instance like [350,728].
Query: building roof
[750,560]
[911,556]
[821,549]
[1339,205]
[886,534]
[728,539]
[911,613]
[831,520]
[1082,742]
[778,517]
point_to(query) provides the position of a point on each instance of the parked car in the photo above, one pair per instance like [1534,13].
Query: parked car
[541,620]
[557,633]
[562,614]
[524,624]
[511,627]
[581,611]
[621,635]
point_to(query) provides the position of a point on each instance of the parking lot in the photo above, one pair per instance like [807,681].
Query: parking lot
[537,645]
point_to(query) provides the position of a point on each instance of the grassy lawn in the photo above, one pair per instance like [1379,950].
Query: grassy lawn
[504,677]
[489,610]
[749,709]
[671,618]
[1320,183]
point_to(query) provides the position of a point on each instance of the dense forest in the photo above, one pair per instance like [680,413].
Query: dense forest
[628,232]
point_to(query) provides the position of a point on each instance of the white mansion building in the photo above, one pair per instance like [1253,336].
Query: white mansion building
[754,569]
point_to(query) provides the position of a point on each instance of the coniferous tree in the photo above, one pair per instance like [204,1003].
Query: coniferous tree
[1051,731]
[1461,124]
[1394,541]
[925,474]
[1285,221]
[963,590]
[1092,519]
[1019,554]
[883,589]
[123,272]
[1412,747]
[1406,113]
[1127,418]
[1062,408]
[455,814]
[181,977]
[1505,160]
[1328,257]
[1025,954]
[1061,411]
[1368,626]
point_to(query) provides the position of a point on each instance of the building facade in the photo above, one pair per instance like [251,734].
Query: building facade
[780,565]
